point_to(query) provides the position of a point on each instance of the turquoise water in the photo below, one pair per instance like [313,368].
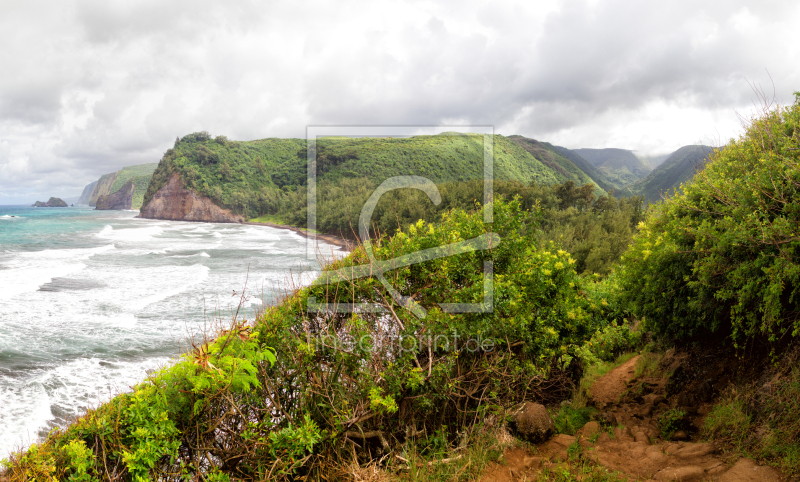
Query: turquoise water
[92,300]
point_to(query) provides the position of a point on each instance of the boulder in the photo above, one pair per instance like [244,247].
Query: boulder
[531,422]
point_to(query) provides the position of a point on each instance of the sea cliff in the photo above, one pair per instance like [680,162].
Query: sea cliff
[177,203]
[122,199]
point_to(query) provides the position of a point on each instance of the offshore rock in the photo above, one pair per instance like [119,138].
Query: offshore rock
[174,202]
[122,199]
[53,202]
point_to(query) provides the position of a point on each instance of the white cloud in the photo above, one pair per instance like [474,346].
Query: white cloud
[92,86]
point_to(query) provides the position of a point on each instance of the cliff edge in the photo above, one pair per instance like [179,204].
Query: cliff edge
[176,203]
[122,199]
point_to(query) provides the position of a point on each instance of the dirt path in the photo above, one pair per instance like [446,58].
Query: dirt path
[609,388]
[629,444]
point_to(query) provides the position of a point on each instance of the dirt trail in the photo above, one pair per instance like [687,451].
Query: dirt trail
[608,388]
[630,444]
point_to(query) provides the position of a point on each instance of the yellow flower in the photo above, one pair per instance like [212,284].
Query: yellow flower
[559,265]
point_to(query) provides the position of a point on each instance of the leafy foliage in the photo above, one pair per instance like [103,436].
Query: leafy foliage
[569,419]
[722,255]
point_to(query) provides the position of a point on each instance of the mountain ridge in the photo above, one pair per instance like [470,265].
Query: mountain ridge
[679,167]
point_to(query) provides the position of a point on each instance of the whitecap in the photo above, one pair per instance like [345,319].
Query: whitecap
[131,235]
[34,402]
[201,254]
[25,272]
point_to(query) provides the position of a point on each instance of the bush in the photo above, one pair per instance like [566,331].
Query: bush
[721,255]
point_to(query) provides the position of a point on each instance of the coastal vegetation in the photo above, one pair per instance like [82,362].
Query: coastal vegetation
[357,371]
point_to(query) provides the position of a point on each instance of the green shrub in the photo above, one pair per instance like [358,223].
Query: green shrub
[569,419]
[670,422]
[721,255]
[728,421]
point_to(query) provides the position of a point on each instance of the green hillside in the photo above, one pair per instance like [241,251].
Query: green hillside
[620,166]
[598,177]
[562,164]
[253,177]
[113,182]
[677,169]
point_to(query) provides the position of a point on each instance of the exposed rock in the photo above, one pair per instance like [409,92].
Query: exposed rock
[746,470]
[680,435]
[122,199]
[591,428]
[531,421]
[685,473]
[176,203]
[53,202]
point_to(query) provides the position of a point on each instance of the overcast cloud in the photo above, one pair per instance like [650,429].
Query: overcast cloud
[91,86]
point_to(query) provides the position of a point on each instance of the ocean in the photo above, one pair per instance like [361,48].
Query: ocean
[90,301]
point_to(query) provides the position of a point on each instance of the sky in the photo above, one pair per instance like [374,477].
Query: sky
[91,86]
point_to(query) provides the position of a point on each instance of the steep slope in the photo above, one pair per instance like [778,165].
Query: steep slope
[86,195]
[111,183]
[620,166]
[102,187]
[249,178]
[678,168]
[598,177]
[121,199]
[555,160]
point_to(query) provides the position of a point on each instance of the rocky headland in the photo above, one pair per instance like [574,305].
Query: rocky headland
[175,202]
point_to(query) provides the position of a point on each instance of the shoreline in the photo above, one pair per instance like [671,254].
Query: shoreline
[343,244]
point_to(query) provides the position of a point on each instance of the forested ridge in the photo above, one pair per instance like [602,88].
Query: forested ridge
[254,178]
